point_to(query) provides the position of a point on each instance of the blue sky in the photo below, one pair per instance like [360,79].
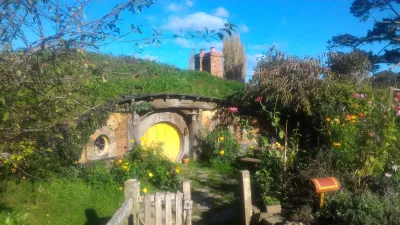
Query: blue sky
[298,27]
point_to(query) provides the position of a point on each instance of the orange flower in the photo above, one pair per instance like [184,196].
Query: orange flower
[361,115]
[328,119]
[347,117]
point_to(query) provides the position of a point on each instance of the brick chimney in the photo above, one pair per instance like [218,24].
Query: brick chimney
[211,62]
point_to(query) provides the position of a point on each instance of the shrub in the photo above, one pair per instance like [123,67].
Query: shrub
[303,214]
[147,165]
[219,148]
[360,208]
[98,176]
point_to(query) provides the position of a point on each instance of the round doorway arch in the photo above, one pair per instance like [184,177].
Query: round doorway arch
[175,121]
[167,136]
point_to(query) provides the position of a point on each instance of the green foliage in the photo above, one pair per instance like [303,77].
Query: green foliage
[220,148]
[147,165]
[303,214]
[268,200]
[99,176]
[363,208]
[362,128]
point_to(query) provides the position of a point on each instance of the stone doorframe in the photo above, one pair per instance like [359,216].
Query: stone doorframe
[138,125]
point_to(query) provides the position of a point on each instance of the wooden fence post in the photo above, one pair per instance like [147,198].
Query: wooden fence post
[246,196]
[132,190]
[187,214]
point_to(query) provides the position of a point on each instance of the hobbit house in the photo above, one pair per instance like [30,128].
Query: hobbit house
[175,122]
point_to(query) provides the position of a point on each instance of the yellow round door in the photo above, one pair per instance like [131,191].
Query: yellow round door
[167,135]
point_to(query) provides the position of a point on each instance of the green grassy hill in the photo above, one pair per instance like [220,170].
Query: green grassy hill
[130,76]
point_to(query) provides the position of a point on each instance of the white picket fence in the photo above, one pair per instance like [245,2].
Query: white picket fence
[159,209]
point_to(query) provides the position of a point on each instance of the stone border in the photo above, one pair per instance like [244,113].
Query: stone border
[172,118]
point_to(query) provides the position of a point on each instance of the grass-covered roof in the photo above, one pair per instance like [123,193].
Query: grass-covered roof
[132,76]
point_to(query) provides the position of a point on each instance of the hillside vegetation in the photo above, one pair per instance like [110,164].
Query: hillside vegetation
[131,76]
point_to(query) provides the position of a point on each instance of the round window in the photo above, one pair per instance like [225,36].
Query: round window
[101,144]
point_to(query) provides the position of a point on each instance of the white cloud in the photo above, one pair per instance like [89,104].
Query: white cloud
[195,22]
[221,12]
[184,43]
[189,3]
[173,7]
[243,28]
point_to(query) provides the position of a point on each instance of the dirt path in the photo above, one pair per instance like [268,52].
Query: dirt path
[216,195]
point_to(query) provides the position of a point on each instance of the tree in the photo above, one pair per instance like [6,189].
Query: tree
[45,71]
[287,80]
[385,30]
[234,59]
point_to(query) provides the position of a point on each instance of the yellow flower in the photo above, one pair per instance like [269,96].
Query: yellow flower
[221,152]
[144,190]
[353,121]
[143,139]
[125,168]
[221,138]
[150,175]
[251,146]
[337,144]
[328,119]
[336,120]
[132,141]
[112,160]
[277,144]
[167,173]
[177,170]
[120,161]
[353,117]
[47,215]
[121,188]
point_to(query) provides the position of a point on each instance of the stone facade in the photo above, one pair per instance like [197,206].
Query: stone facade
[211,62]
[191,116]
[124,130]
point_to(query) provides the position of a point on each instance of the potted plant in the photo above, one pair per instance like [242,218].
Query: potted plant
[185,159]
[272,205]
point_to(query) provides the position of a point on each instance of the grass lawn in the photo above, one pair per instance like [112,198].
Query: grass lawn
[59,202]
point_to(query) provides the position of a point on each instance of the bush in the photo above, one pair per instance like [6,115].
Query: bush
[147,165]
[219,148]
[365,208]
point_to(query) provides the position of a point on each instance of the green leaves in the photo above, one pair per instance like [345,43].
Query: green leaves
[281,134]
[6,116]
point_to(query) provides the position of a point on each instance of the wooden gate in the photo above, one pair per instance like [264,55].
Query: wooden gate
[159,209]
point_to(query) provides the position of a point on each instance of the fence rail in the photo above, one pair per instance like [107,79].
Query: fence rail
[159,209]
